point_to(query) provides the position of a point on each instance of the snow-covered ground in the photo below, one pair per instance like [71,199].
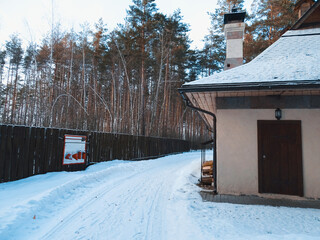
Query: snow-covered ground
[152,200]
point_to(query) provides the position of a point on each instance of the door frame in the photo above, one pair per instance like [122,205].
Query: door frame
[260,123]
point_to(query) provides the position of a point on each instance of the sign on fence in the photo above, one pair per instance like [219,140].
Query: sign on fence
[74,149]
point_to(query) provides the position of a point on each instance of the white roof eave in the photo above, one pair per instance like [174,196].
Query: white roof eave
[292,60]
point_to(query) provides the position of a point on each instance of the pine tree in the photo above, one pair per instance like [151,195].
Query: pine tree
[15,53]
[140,18]
[2,63]
[124,81]
[270,19]
[2,90]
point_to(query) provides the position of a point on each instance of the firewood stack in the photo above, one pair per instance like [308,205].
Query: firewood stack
[207,172]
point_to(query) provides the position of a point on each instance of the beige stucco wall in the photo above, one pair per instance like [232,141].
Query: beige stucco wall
[237,149]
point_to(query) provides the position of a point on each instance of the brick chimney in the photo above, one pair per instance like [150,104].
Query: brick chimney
[234,31]
[302,6]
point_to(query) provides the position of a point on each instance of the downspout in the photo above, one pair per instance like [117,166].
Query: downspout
[214,134]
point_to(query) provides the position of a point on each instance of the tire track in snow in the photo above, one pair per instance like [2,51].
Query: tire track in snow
[158,206]
[138,200]
[140,195]
[121,200]
[99,193]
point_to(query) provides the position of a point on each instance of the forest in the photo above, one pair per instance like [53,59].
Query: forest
[125,80]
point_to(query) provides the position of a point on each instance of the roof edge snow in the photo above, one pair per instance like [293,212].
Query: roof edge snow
[290,62]
[304,84]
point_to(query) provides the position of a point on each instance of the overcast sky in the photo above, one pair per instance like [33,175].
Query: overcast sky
[32,18]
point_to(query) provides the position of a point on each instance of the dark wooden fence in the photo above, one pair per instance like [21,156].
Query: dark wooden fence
[27,151]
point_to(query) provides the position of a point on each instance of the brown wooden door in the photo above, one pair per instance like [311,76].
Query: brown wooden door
[280,157]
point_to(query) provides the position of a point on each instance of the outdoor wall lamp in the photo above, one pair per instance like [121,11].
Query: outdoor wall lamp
[278,113]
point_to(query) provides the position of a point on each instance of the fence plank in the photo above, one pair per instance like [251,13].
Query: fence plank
[38,149]
[26,149]
[59,150]
[20,144]
[8,150]
[14,154]
[3,142]
[31,155]
[48,150]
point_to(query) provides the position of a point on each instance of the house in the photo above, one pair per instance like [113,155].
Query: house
[265,116]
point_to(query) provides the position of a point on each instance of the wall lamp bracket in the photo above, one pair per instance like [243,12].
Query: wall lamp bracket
[278,113]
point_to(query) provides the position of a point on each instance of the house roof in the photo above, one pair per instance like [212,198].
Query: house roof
[291,61]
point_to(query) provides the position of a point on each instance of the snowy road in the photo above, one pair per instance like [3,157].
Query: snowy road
[154,199]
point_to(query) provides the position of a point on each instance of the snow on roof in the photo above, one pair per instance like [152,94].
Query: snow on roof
[294,57]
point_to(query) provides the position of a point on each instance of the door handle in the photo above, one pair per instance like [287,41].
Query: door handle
[264,156]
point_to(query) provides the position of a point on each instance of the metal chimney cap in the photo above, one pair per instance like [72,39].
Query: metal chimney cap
[234,17]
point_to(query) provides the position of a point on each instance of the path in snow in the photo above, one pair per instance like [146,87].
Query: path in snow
[154,199]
